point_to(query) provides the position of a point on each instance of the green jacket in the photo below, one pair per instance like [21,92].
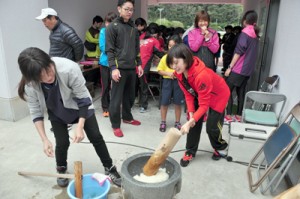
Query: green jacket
[92,39]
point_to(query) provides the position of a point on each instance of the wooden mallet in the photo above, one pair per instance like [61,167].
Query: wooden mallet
[77,176]
[162,152]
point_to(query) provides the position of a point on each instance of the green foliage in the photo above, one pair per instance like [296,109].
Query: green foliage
[168,23]
[182,15]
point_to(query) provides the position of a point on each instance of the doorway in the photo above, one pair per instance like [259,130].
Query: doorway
[268,17]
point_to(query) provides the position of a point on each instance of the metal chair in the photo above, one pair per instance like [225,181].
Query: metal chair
[263,117]
[278,152]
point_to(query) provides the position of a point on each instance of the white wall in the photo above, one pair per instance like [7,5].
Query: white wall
[18,30]
[79,14]
[285,61]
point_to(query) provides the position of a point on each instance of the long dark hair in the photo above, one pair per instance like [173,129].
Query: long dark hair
[250,17]
[31,63]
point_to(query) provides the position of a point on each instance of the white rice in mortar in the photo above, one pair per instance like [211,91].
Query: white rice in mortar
[161,176]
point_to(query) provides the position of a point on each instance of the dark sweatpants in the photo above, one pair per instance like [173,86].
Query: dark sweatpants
[214,126]
[106,84]
[92,131]
[143,88]
[122,93]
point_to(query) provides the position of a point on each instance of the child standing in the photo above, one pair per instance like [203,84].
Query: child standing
[169,86]
[243,63]
[149,46]
[105,70]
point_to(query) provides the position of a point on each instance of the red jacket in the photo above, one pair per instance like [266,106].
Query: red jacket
[148,47]
[212,89]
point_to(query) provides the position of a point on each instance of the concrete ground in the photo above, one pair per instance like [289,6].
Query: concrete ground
[21,150]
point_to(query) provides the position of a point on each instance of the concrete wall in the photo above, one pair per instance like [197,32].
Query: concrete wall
[285,61]
[79,14]
[18,30]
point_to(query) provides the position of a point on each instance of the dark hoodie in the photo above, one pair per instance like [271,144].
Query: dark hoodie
[122,45]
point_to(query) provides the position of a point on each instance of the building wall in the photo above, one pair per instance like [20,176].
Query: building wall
[285,61]
[79,14]
[18,30]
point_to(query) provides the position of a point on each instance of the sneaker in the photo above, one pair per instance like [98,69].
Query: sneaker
[187,158]
[228,119]
[132,122]
[114,175]
[237,118]
[218,154]
[105,114]
[163,126]
[62,182]
[118,132]
[177,125]
[143,110]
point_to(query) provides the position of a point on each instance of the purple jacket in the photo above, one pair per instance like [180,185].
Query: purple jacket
[247,48]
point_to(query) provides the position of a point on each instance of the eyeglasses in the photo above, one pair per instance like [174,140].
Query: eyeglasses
[129,10]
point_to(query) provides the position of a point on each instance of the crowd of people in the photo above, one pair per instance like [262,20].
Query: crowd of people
[126,49]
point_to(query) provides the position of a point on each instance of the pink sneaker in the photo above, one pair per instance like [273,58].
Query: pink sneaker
[228,119]
[237,118]
[118,132]
[132,122]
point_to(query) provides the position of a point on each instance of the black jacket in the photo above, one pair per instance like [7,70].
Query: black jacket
[122,45]
[64,42]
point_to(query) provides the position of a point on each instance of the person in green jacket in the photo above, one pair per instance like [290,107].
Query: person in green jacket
[92,38]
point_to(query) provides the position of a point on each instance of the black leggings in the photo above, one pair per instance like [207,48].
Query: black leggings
[240,91]
[214,126]
[92,131]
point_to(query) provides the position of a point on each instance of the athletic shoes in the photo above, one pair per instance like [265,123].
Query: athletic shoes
[132,122]
[187,158]
[105,114]
[228,119]
[218,154]
[237,118]
[114,175]
[62,182]
[143,110]
[163,126]
[118,132]
[177,125]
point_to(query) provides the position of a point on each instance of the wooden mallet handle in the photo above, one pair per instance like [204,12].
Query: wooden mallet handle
[78,179]
[162,152]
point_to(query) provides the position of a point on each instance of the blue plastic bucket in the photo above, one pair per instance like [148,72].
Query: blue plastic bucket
[91,188]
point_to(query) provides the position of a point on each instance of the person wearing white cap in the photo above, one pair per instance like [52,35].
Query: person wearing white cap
[64,42]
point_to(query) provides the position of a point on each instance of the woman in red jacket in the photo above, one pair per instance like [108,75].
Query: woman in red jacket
[203,90]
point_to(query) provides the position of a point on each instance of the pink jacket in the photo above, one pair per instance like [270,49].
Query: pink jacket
[196,40]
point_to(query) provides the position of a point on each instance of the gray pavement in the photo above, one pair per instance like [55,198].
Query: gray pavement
[21,150]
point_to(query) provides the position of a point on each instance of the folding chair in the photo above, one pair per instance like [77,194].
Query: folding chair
[269,84]
[269,118]
[279,152]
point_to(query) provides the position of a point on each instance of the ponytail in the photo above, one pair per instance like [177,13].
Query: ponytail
[21,89]
[250,18]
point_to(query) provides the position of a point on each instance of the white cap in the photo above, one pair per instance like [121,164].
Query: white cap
[45,12]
